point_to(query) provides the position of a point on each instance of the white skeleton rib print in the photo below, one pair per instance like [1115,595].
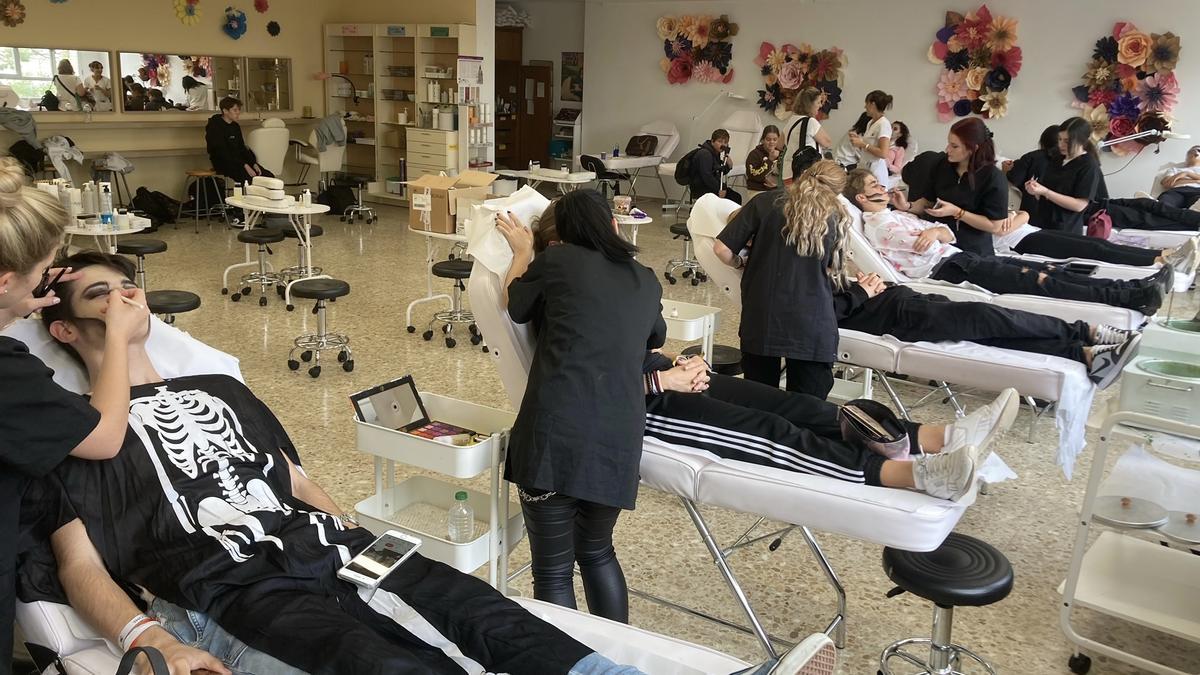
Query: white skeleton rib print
[201,438]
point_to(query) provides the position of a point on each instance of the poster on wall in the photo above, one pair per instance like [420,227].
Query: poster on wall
[572,77]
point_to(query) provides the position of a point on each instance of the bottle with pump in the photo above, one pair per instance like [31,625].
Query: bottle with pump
[106,205]
[87,199]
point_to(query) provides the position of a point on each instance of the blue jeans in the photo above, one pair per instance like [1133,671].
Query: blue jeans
[196,629]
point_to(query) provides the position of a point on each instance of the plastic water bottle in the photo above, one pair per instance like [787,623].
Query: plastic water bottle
[106,205]
[461,519]
[87,199]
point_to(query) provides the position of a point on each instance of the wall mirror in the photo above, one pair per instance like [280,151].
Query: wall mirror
[172,82]
[51,79]
[268,84]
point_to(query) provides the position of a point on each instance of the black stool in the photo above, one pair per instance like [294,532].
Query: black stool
[140,248]
[167,304]
[458,270]
[261,236]
[311,345]
[298,271]
[357,183]
[689,264]
[962,572]
[726,360]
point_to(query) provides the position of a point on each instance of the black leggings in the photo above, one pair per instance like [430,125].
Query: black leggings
[564,531]
[1001,274]
[1147,214]
[1180,197]
[1055,244]
[806,377]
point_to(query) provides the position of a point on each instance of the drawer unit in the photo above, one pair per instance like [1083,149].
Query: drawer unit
[435,136]
[443,161]
[431,148]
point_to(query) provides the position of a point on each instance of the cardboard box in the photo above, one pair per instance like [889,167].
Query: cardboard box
[444,194]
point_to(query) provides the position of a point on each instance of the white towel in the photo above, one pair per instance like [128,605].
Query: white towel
[268,183]
[266,193]
[484,243]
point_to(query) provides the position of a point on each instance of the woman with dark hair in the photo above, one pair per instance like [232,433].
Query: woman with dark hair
[577,441]
[966,191]
[1071,182]
[762,163]
[1032,164]
[847,154]
[897,154]
[196,93]
[874,143]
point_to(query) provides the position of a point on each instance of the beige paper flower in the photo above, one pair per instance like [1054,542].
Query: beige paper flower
[1133,48]
[975,78]
[995,103]
[667,27]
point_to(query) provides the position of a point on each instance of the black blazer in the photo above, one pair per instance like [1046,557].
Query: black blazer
[579,429]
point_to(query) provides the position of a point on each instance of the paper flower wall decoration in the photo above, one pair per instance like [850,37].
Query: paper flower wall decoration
[980,59]
[235,23]
[12,12]
[788,69]
[696,48]
[261,6]
[273,28]
[1129,83]
[188,11]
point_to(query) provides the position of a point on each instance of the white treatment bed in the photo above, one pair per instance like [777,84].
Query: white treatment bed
[1062,382]
[889,517]
[82,651]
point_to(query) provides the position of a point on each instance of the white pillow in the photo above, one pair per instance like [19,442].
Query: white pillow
[488,246]
[173,352]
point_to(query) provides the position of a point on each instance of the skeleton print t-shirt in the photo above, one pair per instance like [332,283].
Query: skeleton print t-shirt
[199,500]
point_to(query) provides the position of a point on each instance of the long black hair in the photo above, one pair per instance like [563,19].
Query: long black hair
[860,127]
[1048,142]
[901,140]
[582,217]
[1079,135]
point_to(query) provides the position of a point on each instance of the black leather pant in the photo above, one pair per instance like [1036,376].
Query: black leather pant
[563,531]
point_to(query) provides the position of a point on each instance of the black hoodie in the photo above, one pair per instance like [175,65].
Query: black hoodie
[226,148]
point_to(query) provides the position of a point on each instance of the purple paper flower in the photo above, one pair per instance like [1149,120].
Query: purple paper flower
[962,107]
[1081,93]
[1124,106]
[946,33]
[997,79]
[677,47]
[956,61]
[1106,49]
[717,53]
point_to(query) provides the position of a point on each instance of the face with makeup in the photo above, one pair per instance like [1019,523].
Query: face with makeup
[873,197]
[85,303]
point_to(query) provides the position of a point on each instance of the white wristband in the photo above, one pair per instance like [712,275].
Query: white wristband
[133,623]
[137,633]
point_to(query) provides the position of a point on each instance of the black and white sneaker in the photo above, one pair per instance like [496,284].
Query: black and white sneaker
[1109,360]
[1110,335]
[1163,279]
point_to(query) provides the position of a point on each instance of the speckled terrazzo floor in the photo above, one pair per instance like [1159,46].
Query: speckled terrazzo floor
[1031,519]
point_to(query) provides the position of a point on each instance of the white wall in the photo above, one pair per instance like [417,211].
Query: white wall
[556,26]
[886,44]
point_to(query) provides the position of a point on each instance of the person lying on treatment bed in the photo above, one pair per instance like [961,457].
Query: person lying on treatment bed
[873,306]
[919,249]
[794,431]
[206,508]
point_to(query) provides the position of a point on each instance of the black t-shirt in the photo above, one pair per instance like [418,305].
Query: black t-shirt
[580,426]
[787,298]
[40,423]
[988,198]
[197,506]
[1033,164]
[1081,177]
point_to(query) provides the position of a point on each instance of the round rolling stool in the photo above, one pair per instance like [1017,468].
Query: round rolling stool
[962,572]
[262,236]
[166,304]
[298,271]
[726,360]
[311,345]
[458,270]
[139,248]
[358,183]
[200,206]
[689,264]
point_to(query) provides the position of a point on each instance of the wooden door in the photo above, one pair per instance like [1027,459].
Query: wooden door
[537,91]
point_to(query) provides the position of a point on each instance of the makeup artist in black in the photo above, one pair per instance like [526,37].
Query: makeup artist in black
[966,191]
[1033,164]
[40,422]
[1071,182]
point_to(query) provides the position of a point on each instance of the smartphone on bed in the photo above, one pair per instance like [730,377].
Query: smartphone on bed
[1080,268]
[369,568]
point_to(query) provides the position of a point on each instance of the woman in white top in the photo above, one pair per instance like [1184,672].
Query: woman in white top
[808,103]
[67,86]
[197,93]
[877,140]
[99,86]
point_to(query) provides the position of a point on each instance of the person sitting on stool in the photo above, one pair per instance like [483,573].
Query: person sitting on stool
[709,164]
[227,148]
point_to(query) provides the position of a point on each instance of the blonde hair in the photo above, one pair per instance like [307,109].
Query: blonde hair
[811,207]
[31,221]
[65,67]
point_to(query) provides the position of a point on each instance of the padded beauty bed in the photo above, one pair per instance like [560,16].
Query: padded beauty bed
[1050,378]
[890,517]
[83,652]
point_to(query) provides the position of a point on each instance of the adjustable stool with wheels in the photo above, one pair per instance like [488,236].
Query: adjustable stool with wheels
[726,360]
[167,304]
[458,270]
[311,345]
[689,264]
[357,209]
[303,267]
[139,248]
[962,572]
[262,236]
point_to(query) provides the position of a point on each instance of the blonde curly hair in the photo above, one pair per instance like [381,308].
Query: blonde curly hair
[32,222]
[811,207]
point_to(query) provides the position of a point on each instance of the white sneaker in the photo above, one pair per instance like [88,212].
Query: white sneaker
[1109,360]
[1111,335]
[981,427]
[814,655]
[1183,258]
[1142,195]
[946,475]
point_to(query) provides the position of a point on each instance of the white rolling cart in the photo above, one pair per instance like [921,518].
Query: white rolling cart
[687,321]
[419,504]
[1129,577]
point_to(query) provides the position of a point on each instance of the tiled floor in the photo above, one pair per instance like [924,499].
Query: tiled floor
[1031,519]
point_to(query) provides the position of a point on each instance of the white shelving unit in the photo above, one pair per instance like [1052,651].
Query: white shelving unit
[1121,575]
[419,505]
[568,127]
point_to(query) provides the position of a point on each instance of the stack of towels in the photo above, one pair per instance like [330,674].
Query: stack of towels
[263,191]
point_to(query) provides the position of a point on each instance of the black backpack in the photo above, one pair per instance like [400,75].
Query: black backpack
[683,168]
[805,155]
[156,206]
[338,198]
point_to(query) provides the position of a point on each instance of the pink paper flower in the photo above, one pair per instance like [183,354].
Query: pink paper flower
[705,71]
[1158,93]
[680,71]
[791,75]
[952,86]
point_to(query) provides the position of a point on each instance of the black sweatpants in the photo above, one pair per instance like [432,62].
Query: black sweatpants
[911,316]
[329,630]
[807,377]
[1148,214]
[1056,244]
[751,422]
[1180,197]
[1001,274]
